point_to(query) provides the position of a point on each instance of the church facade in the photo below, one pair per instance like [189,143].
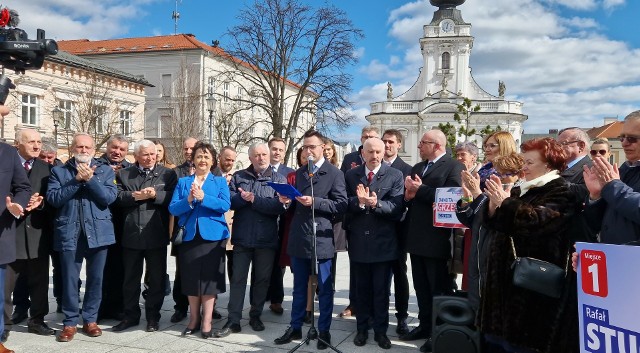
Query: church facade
[444,82]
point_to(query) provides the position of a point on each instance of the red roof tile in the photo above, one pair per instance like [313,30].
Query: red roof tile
[611,130]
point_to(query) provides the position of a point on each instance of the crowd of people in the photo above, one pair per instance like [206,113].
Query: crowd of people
[533,201]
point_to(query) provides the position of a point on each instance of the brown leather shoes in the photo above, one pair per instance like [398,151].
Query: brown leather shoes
[92,329]
[67,334]
[4,349]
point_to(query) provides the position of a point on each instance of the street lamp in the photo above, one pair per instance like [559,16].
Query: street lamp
[211,106]
[58,116]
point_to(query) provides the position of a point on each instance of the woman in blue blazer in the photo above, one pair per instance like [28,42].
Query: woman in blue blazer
[200,201]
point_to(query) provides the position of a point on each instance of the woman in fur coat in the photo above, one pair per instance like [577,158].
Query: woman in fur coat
[536,216]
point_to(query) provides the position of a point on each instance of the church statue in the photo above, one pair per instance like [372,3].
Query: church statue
[444,83]
[501,88]
[389,91]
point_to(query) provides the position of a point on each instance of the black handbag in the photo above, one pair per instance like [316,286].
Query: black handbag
[538,275]
[178,232]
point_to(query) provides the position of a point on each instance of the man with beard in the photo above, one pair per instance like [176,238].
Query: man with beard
[81,190]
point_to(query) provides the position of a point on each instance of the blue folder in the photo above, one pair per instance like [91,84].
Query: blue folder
[285,190]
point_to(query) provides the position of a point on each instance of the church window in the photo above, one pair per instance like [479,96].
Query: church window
[446,61]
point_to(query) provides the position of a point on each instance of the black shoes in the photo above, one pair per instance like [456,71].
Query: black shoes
[208,334]
[124,324]
[289,335]
[383,340]
[256,324]
[18,316]
[361,338]
[178,316]
[426,347]
[190,331]
[5,336]
[416,334]
[324,336]
[228,329]
[152,326]
[402,328]
[40,328]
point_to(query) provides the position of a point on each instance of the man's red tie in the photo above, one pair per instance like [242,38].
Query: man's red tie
[370,178]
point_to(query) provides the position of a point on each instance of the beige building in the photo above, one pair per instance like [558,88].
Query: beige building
[70,94]
[186,73]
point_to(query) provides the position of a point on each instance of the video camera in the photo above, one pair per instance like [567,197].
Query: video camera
[18,52]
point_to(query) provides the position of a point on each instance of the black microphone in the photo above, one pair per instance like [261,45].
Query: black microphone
[310,165]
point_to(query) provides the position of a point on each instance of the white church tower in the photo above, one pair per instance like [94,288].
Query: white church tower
[445,80]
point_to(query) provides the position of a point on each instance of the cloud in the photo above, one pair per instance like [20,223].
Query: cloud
[561,67]
[72,19]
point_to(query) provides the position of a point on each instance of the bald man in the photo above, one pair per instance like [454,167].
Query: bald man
[375,192]
[429,247]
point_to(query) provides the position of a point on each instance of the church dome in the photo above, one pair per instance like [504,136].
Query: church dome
[446,3]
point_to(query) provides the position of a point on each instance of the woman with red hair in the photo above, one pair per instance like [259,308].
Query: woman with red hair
[532,220]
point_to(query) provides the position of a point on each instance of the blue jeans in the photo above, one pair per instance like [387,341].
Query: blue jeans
[70,265]
[301,269]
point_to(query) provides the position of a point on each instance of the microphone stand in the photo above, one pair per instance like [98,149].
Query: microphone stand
[312,334]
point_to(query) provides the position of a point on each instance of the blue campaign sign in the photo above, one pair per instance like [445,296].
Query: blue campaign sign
[608,298]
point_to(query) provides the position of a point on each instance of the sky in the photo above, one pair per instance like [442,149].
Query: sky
[571,62]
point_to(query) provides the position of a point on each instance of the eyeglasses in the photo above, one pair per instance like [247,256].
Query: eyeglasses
[596,152]
[490,145]
[425,142]
[629,138]
[310,147]
[567,143]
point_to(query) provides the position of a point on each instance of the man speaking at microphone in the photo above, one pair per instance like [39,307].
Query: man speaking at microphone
[329,198]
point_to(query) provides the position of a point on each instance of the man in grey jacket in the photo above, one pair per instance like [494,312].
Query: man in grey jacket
[255,236]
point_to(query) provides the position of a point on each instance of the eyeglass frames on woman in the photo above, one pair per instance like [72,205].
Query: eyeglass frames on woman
[598,152]
[629,138]
[490,145]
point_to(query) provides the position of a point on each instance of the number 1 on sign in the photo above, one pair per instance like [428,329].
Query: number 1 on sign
[593,270]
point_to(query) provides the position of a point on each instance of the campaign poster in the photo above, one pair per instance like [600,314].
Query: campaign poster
[444,209]
[608,298]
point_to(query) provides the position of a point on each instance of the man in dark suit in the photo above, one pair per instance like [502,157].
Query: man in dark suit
[181,301]
[429,246]
[575,143]
[275,294]
[33,239]
[112,304]
[350,161]
[392,143]
[329,199]
[144,193]
[375,194]
[16,192]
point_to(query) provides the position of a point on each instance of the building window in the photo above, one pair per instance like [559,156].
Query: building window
[125,122]
[164,130]
[446,61]
[225,91]
[211,85]
[67,110]
[98,113]
[29,109]
[166,85]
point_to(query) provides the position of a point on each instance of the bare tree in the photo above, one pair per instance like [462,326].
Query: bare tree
[291,59]
[94,111]
[185,105]
[236,126]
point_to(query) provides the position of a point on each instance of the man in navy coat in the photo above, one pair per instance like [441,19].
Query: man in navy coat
[375,195]
[329,199]
[16,191]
